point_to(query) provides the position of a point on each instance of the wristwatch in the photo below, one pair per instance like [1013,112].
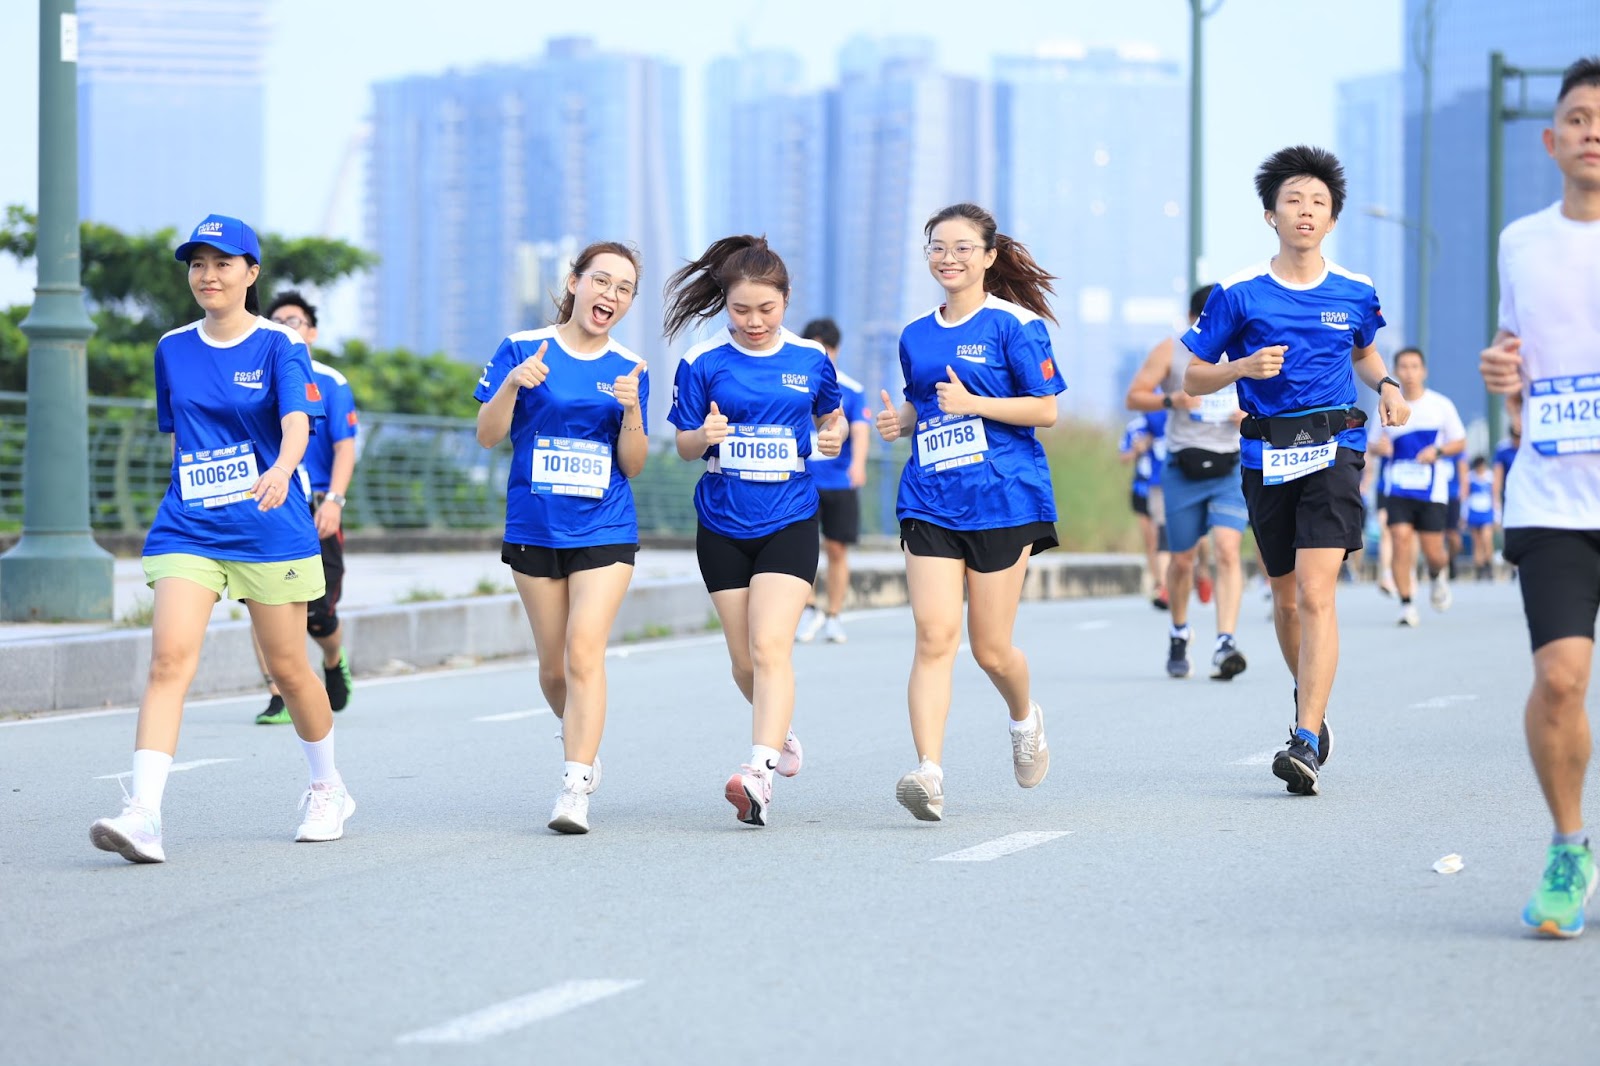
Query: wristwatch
[336,497]
[1166,401]
[1388,381]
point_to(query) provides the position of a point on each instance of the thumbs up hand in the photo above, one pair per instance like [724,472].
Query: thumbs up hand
[954,399]
[531,372]
[888,420]
[625,390]
[715,426]
[830,438]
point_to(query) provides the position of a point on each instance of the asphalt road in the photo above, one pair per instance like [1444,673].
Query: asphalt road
[1171,904]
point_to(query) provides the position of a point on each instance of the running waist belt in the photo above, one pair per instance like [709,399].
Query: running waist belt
[1314,427]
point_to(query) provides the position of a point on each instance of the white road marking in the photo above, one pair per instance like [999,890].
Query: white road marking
[1440,702]
[175,768]
[512,716]
[1006,845]
[517,1013]
[1262,759]
[73,716]
[1095,623]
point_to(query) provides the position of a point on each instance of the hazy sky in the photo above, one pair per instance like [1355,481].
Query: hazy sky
[1271,71]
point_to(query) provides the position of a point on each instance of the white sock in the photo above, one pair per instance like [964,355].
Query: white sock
[764,759]
[319,756]
[577,775]
[150,770]
[1028,724]
[928,766]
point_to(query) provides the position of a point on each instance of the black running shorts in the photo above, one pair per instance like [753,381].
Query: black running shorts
[322,614]
[1425,516]
[536,560]
[984,550]
[841,515]
[1559,570]
[1321,510]
[729,563]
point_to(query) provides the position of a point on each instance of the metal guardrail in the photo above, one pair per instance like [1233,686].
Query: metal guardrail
[414,472]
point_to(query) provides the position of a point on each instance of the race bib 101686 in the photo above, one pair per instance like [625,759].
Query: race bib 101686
[217,477]
[759,453]
[1563,416]
[951,441]
[1286,464]
[566,467]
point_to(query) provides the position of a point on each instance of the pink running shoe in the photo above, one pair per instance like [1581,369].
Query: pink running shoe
[750,792]
[791,756]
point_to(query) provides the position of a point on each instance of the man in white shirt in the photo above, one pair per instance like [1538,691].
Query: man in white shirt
[1547,355]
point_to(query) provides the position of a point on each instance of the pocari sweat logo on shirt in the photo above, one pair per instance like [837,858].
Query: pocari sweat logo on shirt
[250,379]
[797,382]
[606,387]
[972,353]
[1336,319]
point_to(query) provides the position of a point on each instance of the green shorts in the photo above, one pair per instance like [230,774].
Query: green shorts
[291,581]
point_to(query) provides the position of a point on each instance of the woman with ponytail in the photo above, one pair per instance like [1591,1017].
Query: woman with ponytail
[746,401]
[975,499]
[573,402]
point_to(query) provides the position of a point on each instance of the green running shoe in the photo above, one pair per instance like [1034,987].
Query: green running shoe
[275,714]
[1556,909]
[339,682]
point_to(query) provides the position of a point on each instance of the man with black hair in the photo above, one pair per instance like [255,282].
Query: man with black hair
[1294,333]
[329,464]
[1201,494]
[1547,356]
[838,482]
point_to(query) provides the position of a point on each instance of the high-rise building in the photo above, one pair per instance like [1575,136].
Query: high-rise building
[1372,236]
[483,184]
[1531,33]
[1092,182]
[171,111]
[768,166]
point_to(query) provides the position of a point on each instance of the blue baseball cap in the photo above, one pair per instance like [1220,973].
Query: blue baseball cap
[224,234]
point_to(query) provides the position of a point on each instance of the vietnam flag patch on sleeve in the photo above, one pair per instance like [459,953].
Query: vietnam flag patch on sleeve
[1048,368]
[313,394]
[350,419]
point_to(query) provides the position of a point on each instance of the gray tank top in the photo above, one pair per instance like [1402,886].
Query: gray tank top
[1209,426]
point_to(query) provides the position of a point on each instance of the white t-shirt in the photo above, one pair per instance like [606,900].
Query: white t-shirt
[1434,423]
[1550,297]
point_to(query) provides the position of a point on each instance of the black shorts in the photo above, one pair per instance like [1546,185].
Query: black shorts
[1452,514]
[984,550]
[1426,516]
[1559,570]
[729,563]
[1320,510]
[841,515]
[322,614]
[1139,503]
[536,560]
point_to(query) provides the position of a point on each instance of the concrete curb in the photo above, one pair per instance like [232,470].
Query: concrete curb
[108,669]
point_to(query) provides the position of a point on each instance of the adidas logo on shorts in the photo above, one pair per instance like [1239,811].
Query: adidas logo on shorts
[291,575]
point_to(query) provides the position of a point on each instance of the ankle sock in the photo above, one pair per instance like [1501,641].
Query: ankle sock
[1580,837]
[319,757]
[1405,601]
[1224,638]
[1028,724]
[928,766]
[1308,736]
[764,759]
[1181,633]
[577,776]
[150,770]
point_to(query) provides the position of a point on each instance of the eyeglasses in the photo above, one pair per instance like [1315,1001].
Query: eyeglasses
[603,284]
[961,251]
[294,322]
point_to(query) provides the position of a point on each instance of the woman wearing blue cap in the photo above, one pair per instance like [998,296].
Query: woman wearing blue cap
[235,391]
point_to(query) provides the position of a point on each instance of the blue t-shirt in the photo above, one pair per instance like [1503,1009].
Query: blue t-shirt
[958,477]
[224,404]
[769,392]
[563,434]
[1505,453]
[1147,467]
[833,474]
[1322,323]
[340,404]
[1480,499]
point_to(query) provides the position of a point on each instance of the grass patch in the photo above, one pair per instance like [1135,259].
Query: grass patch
[1091,485]
[140,615]
[488,586]
[713,623]
[421,594]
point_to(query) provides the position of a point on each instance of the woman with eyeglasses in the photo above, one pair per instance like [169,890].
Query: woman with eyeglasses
[975,499]
[237,394]
[746,401]
[573,401]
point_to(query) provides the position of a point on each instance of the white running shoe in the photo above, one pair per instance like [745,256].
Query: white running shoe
[135,834]
[572,812]
[1440,595]
[791,755]
[1409,616]
[1030,752]
[922,793]
[750,792]
[329,807]
[833,630]
[810,625]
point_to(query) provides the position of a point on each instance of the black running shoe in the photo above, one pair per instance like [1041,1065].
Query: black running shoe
[1297,765]
[338,681]
[1178,657]
[1227,662]
[275,714]
[1324,734]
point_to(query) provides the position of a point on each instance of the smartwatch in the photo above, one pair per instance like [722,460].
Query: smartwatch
[1388,381]
[1166,401]
[336,497]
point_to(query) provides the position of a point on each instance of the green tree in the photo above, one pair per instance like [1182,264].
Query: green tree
[407,383]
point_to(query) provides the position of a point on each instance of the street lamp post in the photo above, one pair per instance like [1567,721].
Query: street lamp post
[57,572]
[1426,239]
[1423,45]
[1198,13]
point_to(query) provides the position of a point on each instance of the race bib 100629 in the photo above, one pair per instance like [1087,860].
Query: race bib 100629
[951,441]
[566,467]
[759,453]
[217,477]
[1286,464]
[1563,416]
